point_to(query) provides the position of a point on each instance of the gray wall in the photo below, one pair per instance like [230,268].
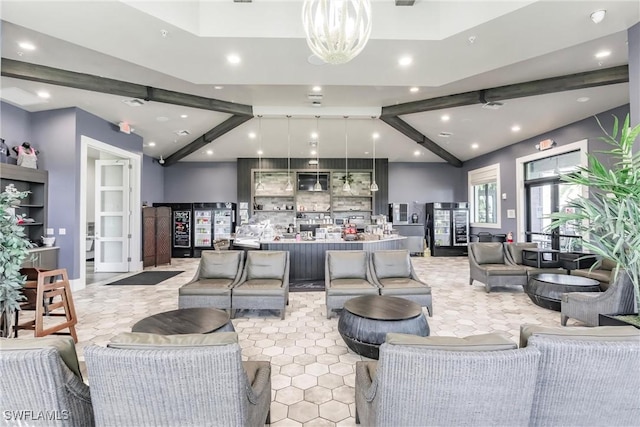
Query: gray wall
[152,190]
[200,182]
[421,183]
[15,127]
[633,37]
[584,129]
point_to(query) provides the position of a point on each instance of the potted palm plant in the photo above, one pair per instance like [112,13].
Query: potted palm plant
[609,218]
[14,247]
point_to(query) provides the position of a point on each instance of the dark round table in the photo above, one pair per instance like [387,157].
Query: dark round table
[366,320]
[545,290]
[186,321]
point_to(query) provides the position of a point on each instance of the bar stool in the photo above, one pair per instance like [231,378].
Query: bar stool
[52,298]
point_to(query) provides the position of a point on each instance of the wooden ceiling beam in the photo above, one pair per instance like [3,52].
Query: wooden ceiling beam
[215,133]
[40,73]
[403,127]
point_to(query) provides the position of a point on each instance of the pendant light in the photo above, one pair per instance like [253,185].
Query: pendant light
[346,187]
[317,186]
[289,186]
[374,136]
[259,185]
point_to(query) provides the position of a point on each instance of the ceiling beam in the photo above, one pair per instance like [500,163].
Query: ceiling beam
[215,133]
[587,79]
[403,127]
[40,73]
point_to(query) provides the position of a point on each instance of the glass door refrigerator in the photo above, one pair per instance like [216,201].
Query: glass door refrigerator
[447,228]
[181,224]
[202,228]
[224,222]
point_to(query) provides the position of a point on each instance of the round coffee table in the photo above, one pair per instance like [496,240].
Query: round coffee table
[186,321]
[365,321]
[545,290]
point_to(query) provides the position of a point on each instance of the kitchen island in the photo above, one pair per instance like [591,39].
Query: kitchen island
[307,257]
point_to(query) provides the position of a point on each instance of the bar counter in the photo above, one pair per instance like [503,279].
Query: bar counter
[307,257]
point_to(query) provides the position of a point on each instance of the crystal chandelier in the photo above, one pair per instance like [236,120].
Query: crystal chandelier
[337,30]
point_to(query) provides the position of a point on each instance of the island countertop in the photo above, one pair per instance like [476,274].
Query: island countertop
[307,257]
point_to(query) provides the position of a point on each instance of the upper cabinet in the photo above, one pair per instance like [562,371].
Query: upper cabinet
[33,208]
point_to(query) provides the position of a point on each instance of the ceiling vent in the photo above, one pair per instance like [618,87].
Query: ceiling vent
[135,102]
[315,97]
[316,104]
[445,134]
[492,105]
[183,132]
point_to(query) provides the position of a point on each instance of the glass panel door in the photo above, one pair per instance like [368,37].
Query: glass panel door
[442,227]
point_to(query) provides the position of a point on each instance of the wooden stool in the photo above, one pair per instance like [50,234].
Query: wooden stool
[51,295]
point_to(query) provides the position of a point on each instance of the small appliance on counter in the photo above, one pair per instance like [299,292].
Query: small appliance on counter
[398,213]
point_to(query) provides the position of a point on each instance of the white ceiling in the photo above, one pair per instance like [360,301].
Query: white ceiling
[514,42]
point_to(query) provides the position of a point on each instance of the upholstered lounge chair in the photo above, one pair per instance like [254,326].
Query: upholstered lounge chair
[393,273]
[586,306]
[177,380]
[602,272]
[513,253]
[42,375]
[488,264]
[346,276]
[217,273]
[264,284]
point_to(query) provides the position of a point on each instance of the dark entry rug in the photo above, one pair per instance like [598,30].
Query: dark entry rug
[309,286]
[146,278]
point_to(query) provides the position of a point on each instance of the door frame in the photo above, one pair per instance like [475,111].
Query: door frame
[135,205]
[521,215]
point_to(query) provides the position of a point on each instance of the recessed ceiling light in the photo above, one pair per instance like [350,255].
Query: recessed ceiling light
[218,87]
[233,58]
[314,152]
[515,128]
[252,135]
[375,135]
[445,118]
[583,99]
[27,46]
[414,89]
[209,152]
[416,153]
[314,135]
[474,146]
[316,88]
[43,94]
[366,152]
[260,152]
[162,119]
[471,39]
[152,144]
[598,16]
[405,61]
[183,116]
[603,54]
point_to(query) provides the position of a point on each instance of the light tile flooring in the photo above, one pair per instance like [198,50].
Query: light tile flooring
[313,371]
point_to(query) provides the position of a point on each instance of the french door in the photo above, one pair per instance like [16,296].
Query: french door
[112,216]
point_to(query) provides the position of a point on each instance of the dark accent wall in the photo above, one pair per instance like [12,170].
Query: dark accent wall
[152,190]
[245,165]
[583,129]
[633,38]
[200,182]
[15,127]
[421,183]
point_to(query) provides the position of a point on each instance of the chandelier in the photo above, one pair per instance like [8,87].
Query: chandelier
[337,30]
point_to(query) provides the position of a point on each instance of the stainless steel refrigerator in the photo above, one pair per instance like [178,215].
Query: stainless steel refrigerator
[447,228]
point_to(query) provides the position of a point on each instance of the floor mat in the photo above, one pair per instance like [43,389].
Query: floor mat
[146,278]
[309,286]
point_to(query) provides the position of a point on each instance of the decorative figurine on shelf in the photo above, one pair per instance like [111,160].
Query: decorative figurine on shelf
[4,151]
[27,155]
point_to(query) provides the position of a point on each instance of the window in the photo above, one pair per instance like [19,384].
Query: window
[484,196]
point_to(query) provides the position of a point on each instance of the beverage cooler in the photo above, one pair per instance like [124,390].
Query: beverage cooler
[212,221]
[447,228]
[181,225]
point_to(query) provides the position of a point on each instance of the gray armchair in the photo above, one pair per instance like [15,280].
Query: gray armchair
[393,273]
[217,273]
[180,380]
[346,275]
[602,271]
[488,264]
[264,284]
[42,375]
[586,306]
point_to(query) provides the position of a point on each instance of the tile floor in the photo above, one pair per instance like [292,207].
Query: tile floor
[313,371]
